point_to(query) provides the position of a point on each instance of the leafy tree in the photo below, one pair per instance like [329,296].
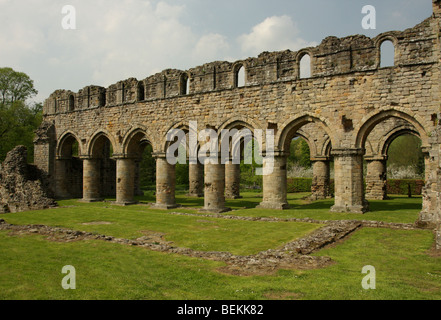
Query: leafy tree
[17,120]
[299,153]
[406,151]
[15,86]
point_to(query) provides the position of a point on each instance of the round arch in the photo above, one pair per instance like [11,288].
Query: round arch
[387,141]
[290,127]
[65,142]
[135,137]
[373,119]
[97,141]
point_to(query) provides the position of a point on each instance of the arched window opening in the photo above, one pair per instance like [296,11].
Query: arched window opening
[305,67]
[185,84]
[71,103]
[141,92]
[240,77]
[387,54]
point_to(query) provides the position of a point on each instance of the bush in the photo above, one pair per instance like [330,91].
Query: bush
[402,186]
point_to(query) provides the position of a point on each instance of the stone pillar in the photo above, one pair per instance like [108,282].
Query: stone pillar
[274,182]
[232,180]
[165,183]
[321,181]
[125,181]
[91,180]
[137,188]
[214,197]
[61,179]
[196,179]
[376,179]
[349,191]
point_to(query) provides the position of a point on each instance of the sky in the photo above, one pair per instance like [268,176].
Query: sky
[118,39]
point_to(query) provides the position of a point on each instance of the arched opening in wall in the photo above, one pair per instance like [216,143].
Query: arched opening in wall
[141,91]
[184,84]
[102,150]
[387,54]
[251,161]
[69,169]
[394,164]
[307,144]
[140,149]
[299,165]
[240,151]
[71,103]
[240,77]
[305,66]
[102,98]
[145,177]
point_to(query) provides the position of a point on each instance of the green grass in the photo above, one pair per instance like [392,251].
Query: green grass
[31,266]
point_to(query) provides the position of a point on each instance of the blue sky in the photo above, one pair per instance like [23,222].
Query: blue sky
[118,39]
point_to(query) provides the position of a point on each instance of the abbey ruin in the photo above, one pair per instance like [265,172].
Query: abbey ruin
[349,109]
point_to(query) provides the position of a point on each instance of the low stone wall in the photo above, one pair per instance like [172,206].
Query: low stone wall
[22,186]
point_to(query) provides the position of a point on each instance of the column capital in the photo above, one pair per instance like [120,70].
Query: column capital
[376,158]
[348,152]
[319,158]
[160,155]
[274,153]
[122,156]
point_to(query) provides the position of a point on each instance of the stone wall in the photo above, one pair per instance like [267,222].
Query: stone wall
[22,187]
[347,98]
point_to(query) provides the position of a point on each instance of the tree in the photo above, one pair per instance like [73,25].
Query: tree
[17,120]
[15,86]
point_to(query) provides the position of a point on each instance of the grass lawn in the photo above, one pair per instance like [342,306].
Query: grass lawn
[30,266]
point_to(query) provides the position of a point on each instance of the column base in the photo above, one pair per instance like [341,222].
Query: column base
[273,205]
[351,209]
[91,200]
[215,210]
[165,206]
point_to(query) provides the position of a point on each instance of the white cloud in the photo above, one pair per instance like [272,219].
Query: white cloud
[273,34]
[211,47]
[118,39]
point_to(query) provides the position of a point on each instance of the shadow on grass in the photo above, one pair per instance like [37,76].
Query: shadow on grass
[296,201]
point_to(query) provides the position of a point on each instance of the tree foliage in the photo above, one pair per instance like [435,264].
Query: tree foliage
[15,86]
[17,119]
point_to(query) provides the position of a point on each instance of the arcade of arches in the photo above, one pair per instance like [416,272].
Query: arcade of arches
[348,108]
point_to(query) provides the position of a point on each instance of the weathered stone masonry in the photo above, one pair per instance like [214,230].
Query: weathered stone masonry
[348,109]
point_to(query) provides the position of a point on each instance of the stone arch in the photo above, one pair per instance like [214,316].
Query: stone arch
[370,121]
[388,139]
[137,135]
[64,143]
[141,91]
[184,84]
[299,57]
[68,167]
[380,40]
[238,67]
[290,127]
[181,125]
[311,144]
[97,140]
[71,103]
